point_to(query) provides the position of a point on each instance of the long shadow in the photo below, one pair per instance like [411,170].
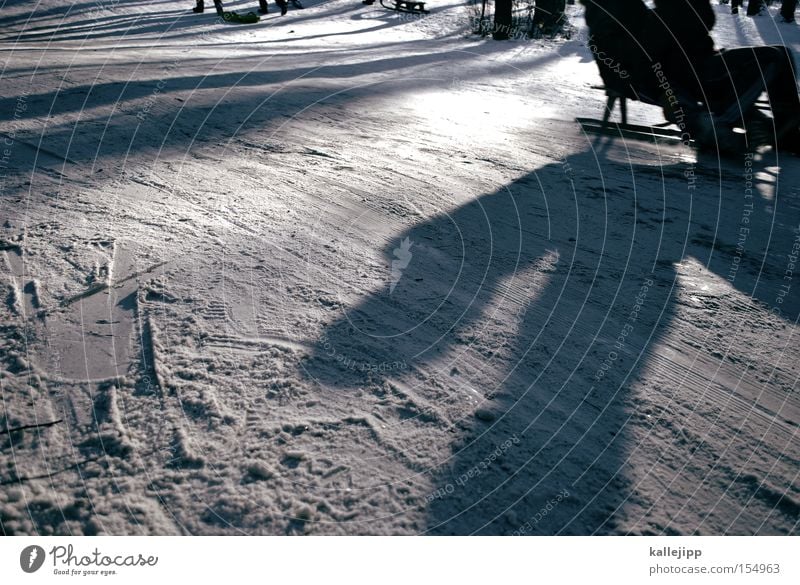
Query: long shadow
[773,30]
[180,23]
[38,14]
[741,36]
[95,22]
[163,121]
[175,22]
[101,94]
[545,298]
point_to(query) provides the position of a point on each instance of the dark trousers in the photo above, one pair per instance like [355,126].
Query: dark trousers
[756,69]
[787,9]
[282,4]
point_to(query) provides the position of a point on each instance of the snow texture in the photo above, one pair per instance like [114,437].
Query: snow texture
[354,272]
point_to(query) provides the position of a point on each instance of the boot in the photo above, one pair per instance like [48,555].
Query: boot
[199,8]
[284,6]
[262,7]
[218,6]
[756,8]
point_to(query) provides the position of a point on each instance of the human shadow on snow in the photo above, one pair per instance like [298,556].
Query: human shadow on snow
[547,298]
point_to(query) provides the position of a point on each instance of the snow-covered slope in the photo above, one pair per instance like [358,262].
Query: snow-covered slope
[349,272]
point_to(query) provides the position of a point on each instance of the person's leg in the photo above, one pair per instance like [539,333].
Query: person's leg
[283,5]
[263,8]
[218,6]
[751,70]
[788,8]
[731,82]
[783,97]
[199,7]
[774,68]
[754,7]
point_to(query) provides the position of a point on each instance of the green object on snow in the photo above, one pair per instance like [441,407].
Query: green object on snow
[249,18]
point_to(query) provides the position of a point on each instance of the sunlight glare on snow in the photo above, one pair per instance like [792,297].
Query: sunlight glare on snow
[465,112]
[693,275]
[765,182]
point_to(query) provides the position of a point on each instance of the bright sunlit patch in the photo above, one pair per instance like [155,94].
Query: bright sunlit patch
[764,182]
[696,280]
[461,111]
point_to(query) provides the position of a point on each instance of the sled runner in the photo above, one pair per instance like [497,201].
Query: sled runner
[613,97]
[667,132]
[657,133]
[410,6]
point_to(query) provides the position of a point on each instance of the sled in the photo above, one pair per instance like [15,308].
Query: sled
[657,133]
[736,146]
[410,6]
[613,98]
[249,18]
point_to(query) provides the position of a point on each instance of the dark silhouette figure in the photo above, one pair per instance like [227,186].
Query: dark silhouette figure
[666,56]
[548,16]
[728,81]
[622,32]
[788,8]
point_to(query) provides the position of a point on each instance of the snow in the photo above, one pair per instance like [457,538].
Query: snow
[352,272]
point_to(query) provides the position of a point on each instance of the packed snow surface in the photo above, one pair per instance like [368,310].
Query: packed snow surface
[349,271]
